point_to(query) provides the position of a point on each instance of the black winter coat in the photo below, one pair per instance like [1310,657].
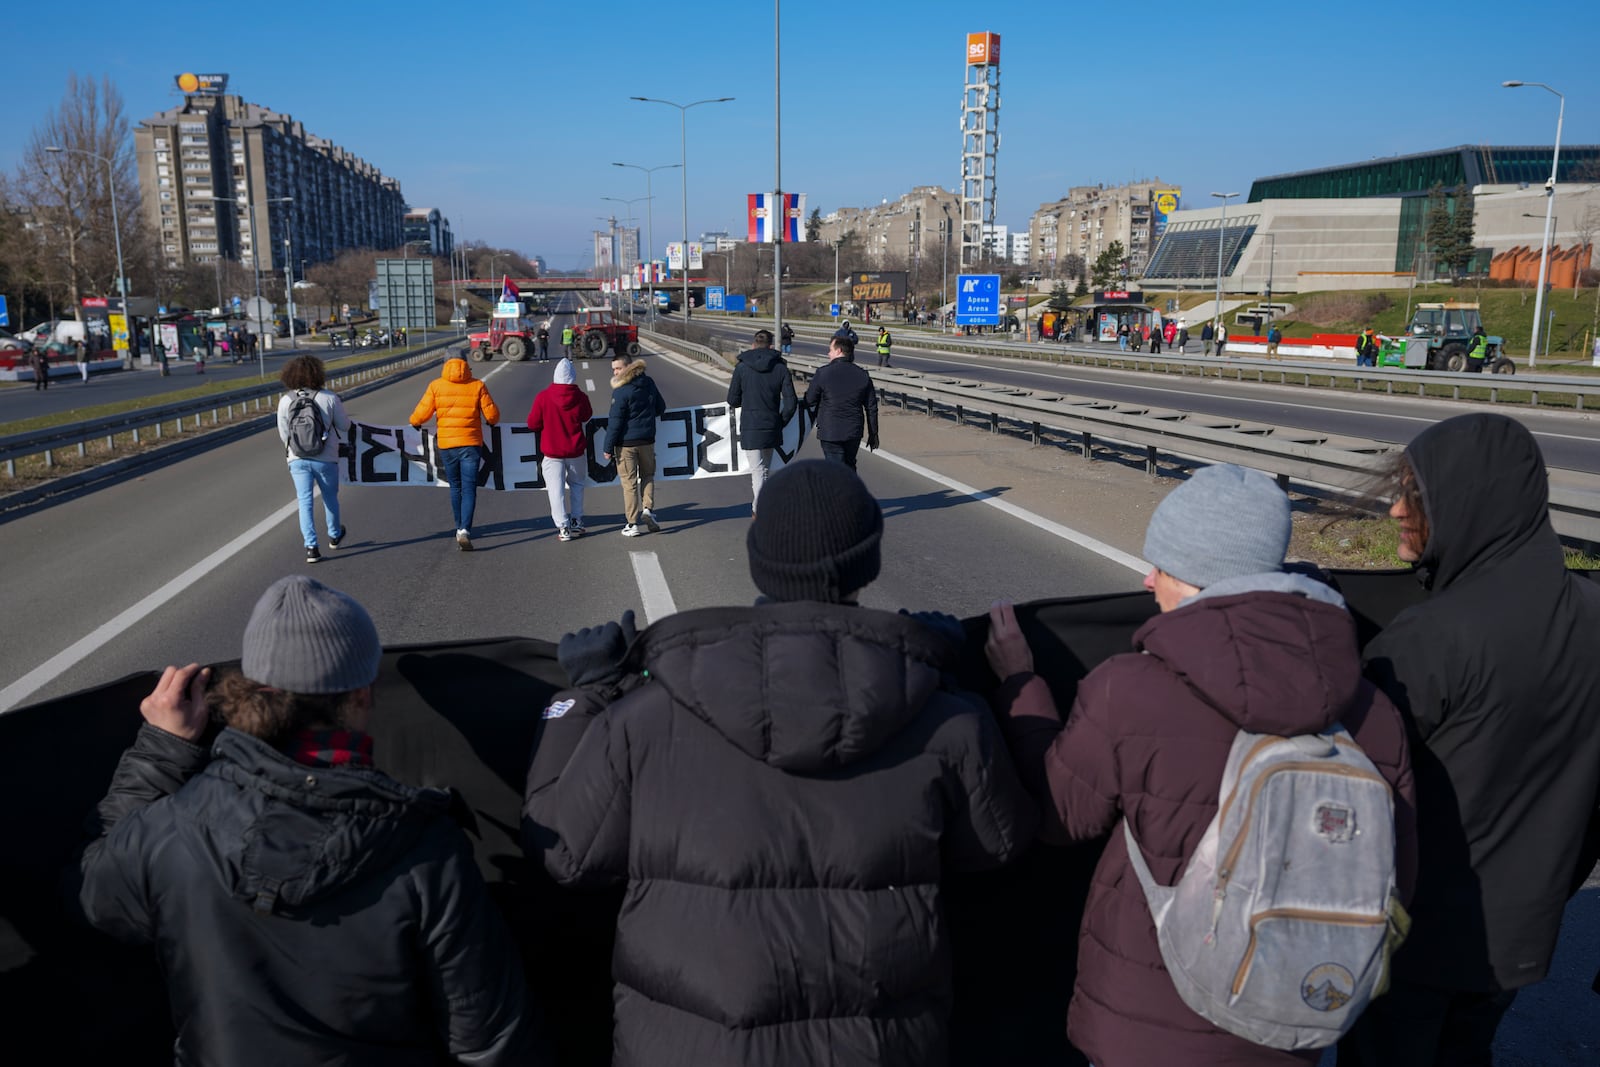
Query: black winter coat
[303,914]
[1497,674]
[636,404]
[763,391]
[839,393]
[782,797]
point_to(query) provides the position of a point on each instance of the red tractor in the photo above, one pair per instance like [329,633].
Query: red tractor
[594,331]
[508,338]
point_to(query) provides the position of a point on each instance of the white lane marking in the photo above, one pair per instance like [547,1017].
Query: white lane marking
[653,592]
[588,383]
[82,649]
[1066,533]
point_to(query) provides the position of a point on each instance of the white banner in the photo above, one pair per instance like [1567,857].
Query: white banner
[690,443]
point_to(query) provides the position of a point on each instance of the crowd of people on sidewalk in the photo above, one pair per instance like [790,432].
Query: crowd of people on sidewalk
[784,788]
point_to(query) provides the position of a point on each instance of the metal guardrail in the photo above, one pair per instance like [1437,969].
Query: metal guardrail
[235,402]
[1533,388]
[1305,457]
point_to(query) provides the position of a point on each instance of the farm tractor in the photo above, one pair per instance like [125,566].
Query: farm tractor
[595,330]
[1439,337]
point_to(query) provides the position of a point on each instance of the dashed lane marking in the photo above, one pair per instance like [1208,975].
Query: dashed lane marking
[653,592]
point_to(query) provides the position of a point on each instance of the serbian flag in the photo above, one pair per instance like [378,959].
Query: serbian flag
[767,213]
[509,293]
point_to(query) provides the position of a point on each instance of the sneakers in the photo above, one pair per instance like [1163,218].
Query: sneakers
[312,555]
[463,541]
[335,542]
[630,530]
[565,533]
[577,528]
[650,520]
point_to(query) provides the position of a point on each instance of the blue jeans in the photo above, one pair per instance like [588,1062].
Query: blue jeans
[461,470]
[325,476]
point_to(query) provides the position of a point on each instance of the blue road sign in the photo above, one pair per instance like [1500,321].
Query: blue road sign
[714,294]
[5,315]
[977,300]
[237,301]
[833,309]
[733,302]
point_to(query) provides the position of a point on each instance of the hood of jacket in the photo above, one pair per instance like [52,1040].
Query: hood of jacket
[1278,659]
[802,686]
[456,370]
[631,372]
[1485,493]
[311,831]
[760,360]
[564,397]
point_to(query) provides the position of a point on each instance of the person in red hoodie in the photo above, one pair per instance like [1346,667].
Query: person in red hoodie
[1239,645]
[559,414]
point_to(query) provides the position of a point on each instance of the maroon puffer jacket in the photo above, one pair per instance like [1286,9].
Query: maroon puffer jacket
[1148,737]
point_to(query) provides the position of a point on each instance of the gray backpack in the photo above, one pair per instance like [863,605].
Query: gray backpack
[308,431]
[1281,927]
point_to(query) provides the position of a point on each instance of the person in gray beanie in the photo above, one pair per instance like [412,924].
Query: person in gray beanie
[782,787]
[1238,645]
[306,908]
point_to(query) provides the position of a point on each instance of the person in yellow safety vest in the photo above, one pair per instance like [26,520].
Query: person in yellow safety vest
[566,340]
[884,341]
[1478,352]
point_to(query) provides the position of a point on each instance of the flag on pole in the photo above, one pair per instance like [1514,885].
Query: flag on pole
[766,214]
[509,293]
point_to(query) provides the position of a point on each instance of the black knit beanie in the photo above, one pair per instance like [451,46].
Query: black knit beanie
[816,535]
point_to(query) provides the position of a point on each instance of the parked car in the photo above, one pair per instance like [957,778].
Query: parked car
[10,343]
[280,327]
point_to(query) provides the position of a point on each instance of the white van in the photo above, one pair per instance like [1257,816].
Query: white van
[56,331]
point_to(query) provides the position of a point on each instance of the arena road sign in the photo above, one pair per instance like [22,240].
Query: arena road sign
[977,300]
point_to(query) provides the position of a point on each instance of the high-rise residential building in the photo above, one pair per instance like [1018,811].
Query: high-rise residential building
[900,234]
[1089,218]
[427,230]
[222,177]
[1017,248]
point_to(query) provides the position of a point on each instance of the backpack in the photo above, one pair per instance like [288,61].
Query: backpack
[1281,927]
[308,431]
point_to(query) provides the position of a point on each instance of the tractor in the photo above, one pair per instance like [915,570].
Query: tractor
[594,330]
[506,337]
[1438,339]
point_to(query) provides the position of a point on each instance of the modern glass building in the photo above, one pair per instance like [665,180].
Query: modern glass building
[1414,175]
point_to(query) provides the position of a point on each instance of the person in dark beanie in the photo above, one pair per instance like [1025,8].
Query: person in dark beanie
[1239,644]
[305,907]
[763,390]
[782,790]
[844,403]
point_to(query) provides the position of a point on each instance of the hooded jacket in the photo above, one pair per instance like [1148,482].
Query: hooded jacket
[1147,740]
[636,404]
[558,416]
[1497,674]
[303,914]
[782,797]
[763,390]
[459,399]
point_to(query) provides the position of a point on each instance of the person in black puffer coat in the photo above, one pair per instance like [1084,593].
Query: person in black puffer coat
[783,795]
[763,390]
[844,403]
[1498,680]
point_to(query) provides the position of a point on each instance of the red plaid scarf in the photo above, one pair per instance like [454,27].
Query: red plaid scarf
[331,748]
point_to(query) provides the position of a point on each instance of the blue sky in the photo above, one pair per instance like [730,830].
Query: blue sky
[508,116]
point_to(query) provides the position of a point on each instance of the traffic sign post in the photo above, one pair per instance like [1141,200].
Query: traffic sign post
[714,297]
[5,314]
[977,300]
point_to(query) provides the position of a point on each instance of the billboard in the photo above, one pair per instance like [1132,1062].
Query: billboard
[675,255]
[871,287]
[983,49]
[202,84]
[405,294]
[1164,202]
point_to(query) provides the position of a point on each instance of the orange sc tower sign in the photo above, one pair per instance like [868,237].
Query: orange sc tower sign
[983,49]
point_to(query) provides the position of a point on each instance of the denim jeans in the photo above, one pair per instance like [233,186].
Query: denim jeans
[325,476]
[563,478]
[461,471]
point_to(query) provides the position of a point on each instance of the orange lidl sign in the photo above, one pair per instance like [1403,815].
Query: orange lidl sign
[983,49]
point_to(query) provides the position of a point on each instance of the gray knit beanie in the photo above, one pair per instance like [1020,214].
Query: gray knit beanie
[306,638]
[816,535]
[1224,522]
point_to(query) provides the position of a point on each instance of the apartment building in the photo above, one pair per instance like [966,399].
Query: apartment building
[428,231]
[899,234]
[221,177]
[1089,218]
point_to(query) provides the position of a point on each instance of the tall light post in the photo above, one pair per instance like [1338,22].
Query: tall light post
[116,227]
[650,221]
[1549,208]
[727,272]
[1222,239]
[683,140]
[629,204]
[1271,263]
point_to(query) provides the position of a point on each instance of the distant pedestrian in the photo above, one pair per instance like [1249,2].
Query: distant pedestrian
[1169,332]
[211,345]
[311,437]
[566,340]
[462,404]
[39,361]
[80,349]
[1274,335]
[787,335]
[200,358]
[844,403]
[1122,336]
[636,404]
[558,415]
[1478,351]
[1155,341]
[1222,338]
[885,343]
[543,337]
[847,333]
[762,390]
[1367,348]
[1207,334]
[1183,340]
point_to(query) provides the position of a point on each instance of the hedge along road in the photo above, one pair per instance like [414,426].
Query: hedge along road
[165,567]
[1570,439]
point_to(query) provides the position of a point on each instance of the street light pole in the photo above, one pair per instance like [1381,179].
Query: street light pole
[116,230]
[1549,207]
[629,204]
[650,217]
[1222,238]
[683,140]
[777,174]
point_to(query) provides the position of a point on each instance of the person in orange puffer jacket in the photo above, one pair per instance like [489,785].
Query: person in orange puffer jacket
[459,400]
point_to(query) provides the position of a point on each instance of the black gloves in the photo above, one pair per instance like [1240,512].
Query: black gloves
[872,441]
[946,626]
[593,655]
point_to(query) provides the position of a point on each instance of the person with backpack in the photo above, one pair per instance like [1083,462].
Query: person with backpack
[462,404]
[1241,653]
[1501,690]
[311,423]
